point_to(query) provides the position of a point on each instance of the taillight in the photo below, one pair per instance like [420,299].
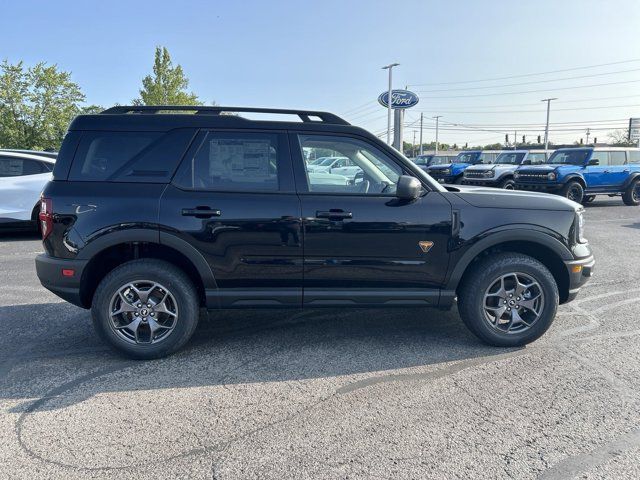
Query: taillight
[46,217]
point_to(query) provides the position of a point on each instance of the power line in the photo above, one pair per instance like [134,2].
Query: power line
[531,83]
[530,111]
[528,74]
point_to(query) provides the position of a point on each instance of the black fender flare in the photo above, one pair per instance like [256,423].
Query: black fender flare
[630,179]
[150,235]
[491,239]
[574,177]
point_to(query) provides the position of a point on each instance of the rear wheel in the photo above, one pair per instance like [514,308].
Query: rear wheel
[573,191]
[631,195]
[145,308]
[588,199]
[508,300]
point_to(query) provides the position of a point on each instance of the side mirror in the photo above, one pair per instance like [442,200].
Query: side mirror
[408,188]
[594,161]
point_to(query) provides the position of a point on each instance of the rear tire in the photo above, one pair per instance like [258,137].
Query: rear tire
[480,303]
[145,308]
[573,191]
[631,195]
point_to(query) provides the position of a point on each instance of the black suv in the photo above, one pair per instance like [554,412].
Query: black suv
[154,212]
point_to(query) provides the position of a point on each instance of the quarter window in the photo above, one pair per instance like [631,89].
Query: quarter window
[369,172]
[234,162]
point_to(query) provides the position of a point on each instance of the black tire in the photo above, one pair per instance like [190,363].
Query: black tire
[573,191]
[459,180]
[588,199]
[631,195]
[167,275]
[508,184]
[484,274]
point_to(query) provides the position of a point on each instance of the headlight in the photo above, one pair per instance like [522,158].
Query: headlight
[551,176]
[580,227]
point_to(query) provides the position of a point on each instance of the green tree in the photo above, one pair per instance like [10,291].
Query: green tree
[36,105]
[167,85]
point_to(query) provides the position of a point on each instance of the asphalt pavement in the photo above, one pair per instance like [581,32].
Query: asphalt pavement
[328,394]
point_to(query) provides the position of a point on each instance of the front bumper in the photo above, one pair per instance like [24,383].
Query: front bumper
[580,271]
[444,178]
[491,182]
[67,287]
[538,187]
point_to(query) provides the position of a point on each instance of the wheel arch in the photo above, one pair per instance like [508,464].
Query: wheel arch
[541,246]
[112,250]
[574,177]
[630,179]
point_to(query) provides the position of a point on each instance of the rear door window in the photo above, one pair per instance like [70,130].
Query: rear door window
[634,156]
[617,158]
[235,162]
[11,167]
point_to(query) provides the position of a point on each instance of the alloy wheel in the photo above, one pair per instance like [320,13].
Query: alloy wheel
[513,302]
[143,312]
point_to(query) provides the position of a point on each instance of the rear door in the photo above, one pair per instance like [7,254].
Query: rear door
[362,245]
[618,168]
[233,199]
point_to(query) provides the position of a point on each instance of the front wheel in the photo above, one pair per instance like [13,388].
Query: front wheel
[631,195]
[508,299]
[508,184]
[145,308]
[573,191]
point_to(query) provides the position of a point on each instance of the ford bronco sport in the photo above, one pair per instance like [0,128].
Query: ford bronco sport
[155,212]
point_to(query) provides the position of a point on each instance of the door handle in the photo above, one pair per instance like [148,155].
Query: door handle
[201,212]
[334,214]
[606,171]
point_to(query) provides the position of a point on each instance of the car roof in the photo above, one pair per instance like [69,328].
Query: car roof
[31,156]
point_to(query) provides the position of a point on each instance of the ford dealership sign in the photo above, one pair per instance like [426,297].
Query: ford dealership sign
[399,99]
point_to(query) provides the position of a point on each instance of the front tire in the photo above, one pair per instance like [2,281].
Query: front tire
[573,191]
[508,184]
[631,195]
[508,299]
[145,308]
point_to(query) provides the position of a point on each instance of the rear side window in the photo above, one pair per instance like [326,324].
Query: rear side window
[634,156]
[234,162]
[617,158]
[102,154]
[16,167]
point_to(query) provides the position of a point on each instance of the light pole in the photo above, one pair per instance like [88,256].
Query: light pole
[546,129]
[390,68]
[421,133]
[437,117]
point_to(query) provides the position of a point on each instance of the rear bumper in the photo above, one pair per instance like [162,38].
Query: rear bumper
[49,270]
[580,271]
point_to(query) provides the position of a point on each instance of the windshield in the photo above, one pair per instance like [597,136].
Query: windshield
[317,161]
[327,161]
[467,157]
[423,159]
[510,158]
[441,160]
[575,157]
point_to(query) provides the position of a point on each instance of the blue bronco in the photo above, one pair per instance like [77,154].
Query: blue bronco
[453,172]
[580,174]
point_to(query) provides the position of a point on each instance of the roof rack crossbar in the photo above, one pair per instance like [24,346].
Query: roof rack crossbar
[304,115]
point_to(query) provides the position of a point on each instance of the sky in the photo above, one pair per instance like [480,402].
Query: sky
[468,61]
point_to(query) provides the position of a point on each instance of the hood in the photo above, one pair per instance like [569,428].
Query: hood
[484,197]
[444,166]
[543,168]
[480,167]
[317,168]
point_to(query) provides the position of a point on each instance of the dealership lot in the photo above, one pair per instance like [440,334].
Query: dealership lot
[324,393]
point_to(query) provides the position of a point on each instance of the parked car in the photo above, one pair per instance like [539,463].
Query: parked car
[453,172]
[22,178]
[151,217]
[327,164]
[426,160]
[500,173]
[580,174]
[42,153]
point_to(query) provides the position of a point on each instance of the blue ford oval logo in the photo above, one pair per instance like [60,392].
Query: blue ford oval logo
[399,99]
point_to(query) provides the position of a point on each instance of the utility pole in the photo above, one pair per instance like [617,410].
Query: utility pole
[546,128]
[421,114]
[588,133]
[389,100]
[437,117]
[515,139]
[413,145]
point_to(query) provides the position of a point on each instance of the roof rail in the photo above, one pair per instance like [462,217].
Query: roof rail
[305,115]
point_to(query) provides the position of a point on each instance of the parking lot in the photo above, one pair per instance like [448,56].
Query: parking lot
[328,394]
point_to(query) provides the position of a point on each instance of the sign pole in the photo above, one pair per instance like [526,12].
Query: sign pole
[389,100]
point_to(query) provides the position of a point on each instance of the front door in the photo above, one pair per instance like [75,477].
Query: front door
[362,244]
[233,199]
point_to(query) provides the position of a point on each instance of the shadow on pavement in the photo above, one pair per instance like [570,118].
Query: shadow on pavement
[42,340]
